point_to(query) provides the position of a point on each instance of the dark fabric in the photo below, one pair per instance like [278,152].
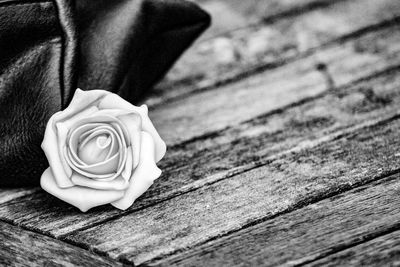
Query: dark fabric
[48,49]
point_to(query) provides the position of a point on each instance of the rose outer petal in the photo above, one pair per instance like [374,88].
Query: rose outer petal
[112,101]
[80,102]
[81,197]
[127,172]
[133,123]
[143,176]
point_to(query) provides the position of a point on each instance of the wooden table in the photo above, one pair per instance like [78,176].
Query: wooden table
[283,127]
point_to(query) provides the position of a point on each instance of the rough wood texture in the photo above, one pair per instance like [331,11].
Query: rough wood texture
[283,184]
[235,14]
[234,150]
[380,251]
[309,233]
[23,248]
[11,193]
[241,52]
[340,63]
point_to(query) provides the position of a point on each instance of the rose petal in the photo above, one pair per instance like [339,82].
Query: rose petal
[107,169]
[80,101]
[101,168]
[143,176]
[117,184]
[103,177]
[133,123]
[95,149]
[127,172]
[112,101]
[112,116]
[81,197]
[78,135]
[62,132]
[104,118]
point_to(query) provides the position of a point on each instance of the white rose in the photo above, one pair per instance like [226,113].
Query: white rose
[101,149]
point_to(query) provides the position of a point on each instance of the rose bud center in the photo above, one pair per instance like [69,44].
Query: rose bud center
[95,150]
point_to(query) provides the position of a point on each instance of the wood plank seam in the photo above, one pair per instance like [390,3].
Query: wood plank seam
[176,127]
[384,234]
[61,239]
[299,10]
[306,202]
[264,21]
[262,231]
[272,18]
[341,248]
[181,82]
[259,68]
[100,255]
[333,90]
[298,206]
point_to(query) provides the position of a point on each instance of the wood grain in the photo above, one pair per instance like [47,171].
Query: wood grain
[239,53]
[297,179]
[310,233]
[7,194]
[24,248]
[237,149]
[214,110]
[381,251]
[230,15]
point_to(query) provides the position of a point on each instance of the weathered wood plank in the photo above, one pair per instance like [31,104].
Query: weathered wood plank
[214,110]
[192,165]
[283,184]
[380,251]
[7,194]
[238,53]
[233,14]
[310,233]
[19,247]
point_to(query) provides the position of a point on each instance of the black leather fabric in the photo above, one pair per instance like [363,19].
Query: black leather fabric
[49,48]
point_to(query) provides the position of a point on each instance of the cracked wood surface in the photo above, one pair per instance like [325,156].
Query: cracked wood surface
[240,53]
[230,15]
[381,251]
[311,114]
[312,232]
[24,248]
[264,92]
